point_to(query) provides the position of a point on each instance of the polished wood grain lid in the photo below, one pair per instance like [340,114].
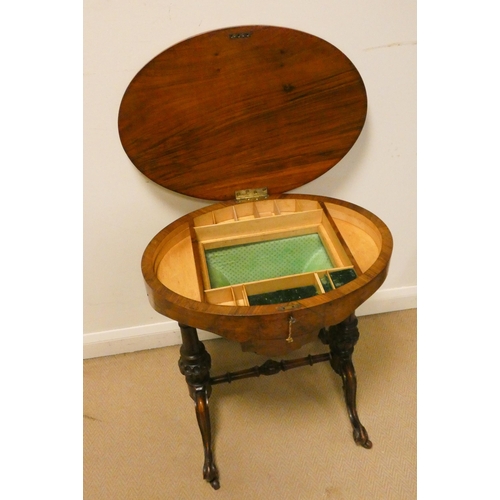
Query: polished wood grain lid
[241,108]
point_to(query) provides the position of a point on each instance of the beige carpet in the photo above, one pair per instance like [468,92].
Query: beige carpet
[287,436]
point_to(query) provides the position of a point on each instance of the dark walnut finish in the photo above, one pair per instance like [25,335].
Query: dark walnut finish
[239,109]
[342,338]
[266,329]
[262,329]
[195,366]
[215,114]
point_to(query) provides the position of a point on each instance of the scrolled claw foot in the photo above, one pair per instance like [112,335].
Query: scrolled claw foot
[368,444]
[341,338]
[361,438]
[211,474]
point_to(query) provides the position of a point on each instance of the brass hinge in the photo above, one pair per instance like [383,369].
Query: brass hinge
[253,194]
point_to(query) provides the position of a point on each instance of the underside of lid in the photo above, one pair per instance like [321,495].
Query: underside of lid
[242,108]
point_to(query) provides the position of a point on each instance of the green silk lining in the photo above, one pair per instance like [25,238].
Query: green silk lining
[262,260]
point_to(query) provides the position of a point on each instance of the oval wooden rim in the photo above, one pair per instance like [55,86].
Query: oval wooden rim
[189,311]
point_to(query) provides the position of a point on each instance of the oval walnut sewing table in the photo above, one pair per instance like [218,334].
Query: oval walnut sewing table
[241,116]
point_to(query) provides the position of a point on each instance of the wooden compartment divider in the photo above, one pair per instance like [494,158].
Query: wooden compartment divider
[233,295]
[260,221]
[256,210]
[340,239]
[279,219]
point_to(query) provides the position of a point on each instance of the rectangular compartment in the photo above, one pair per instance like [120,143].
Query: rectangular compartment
[261,260]
[269,251]
[288,289]
[279,290]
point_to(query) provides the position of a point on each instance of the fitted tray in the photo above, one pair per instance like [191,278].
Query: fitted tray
[355,246]
[275,249]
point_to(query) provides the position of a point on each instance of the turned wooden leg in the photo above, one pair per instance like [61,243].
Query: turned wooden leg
[194,364]
[342,338]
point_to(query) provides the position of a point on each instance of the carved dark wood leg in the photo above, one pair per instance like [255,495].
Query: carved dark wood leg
[194,364]
[342,338]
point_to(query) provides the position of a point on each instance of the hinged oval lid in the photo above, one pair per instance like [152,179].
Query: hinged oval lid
[242,108]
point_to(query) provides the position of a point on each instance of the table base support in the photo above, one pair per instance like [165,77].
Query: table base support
[195,364]
[342,338]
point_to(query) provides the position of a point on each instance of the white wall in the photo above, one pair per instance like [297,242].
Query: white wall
[123,210]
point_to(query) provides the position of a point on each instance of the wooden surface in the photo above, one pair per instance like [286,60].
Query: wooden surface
[264,329]
[240,108]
